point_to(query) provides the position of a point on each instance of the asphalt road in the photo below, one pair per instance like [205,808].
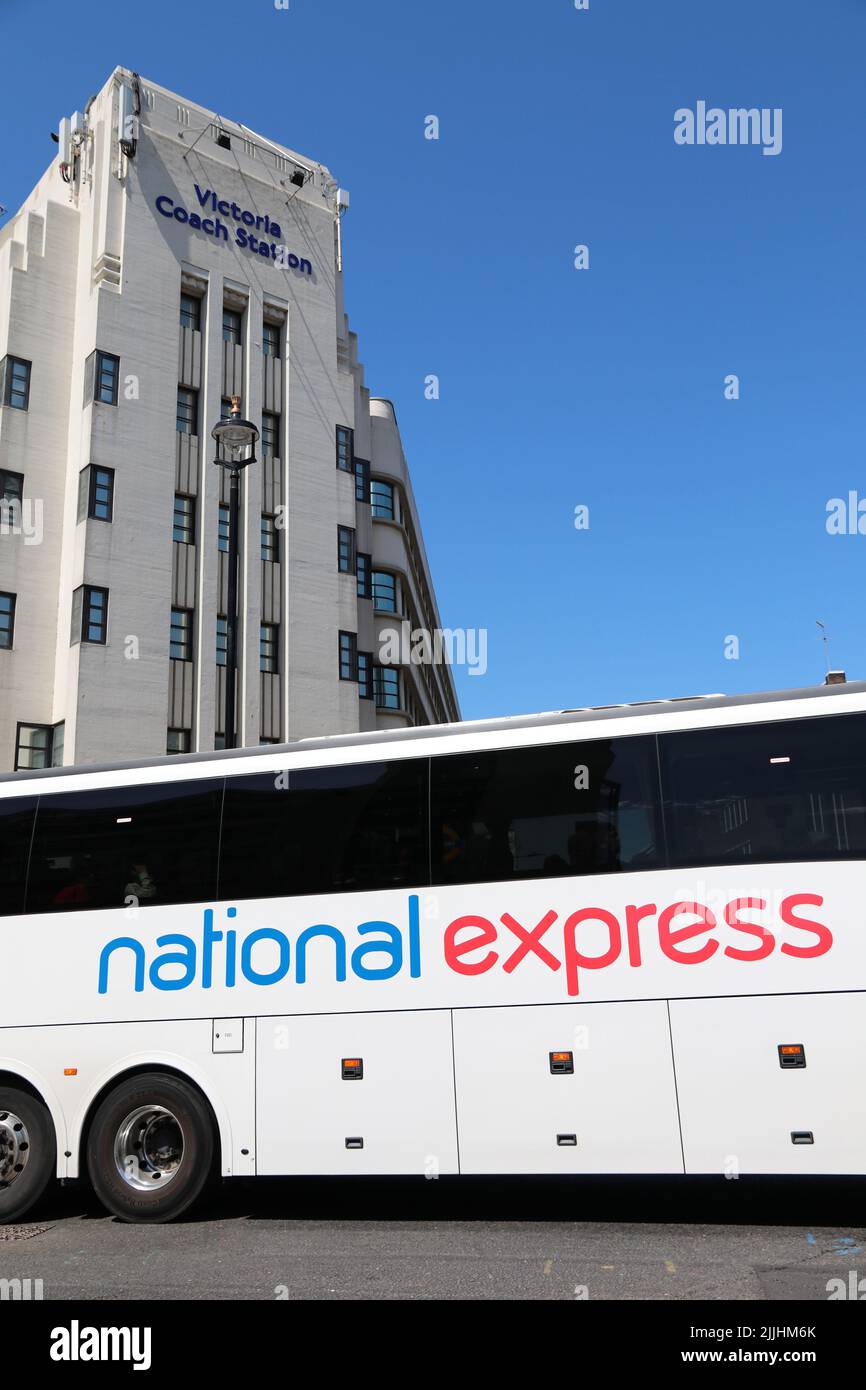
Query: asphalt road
[457,1239]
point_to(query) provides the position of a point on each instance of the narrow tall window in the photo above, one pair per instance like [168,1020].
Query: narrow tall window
[365,675]
[385,591]
[345,549]
[187,411]
[15,373]
[382,499]
[345,448]
[270,434]
[180,648]
[270,539]
[364,568]
[269,639]
[107,378]
[7,621]
[224,524]
[348,656]
[362,480]
[232,327]
[97,486]
[90,614]
[184,519]
[386,687]
[222,640]
[190,311]
[271,339]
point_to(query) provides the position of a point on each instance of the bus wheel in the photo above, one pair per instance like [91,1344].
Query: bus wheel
[27,1152]
[151,1148]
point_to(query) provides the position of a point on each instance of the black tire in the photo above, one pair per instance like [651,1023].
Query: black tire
[152,1129]
[29,1152]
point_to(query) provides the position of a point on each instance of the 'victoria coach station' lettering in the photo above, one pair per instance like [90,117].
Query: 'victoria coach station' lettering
[472,944]
[244,235]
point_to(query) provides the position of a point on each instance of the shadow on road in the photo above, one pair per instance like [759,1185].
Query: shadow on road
[707,1200]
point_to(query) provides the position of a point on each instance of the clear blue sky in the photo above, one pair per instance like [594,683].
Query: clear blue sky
[602,387]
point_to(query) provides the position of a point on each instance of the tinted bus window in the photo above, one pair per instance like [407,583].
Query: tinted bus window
[570,808]
[771,792]
[340,829]
[154,845]
[16,830]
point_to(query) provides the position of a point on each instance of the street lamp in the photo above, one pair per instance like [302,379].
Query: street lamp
[236,448]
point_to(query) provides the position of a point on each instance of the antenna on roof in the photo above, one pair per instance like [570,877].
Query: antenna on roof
[832,677]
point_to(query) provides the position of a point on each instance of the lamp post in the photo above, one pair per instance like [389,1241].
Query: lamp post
[236,448]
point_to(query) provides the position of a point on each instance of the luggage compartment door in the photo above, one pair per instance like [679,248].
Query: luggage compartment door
[519,1111]
[356,1093]
[747,1108]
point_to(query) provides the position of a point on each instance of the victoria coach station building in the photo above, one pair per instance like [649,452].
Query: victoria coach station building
[166,262]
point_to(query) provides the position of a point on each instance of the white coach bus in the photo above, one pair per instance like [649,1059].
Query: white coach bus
[620,940]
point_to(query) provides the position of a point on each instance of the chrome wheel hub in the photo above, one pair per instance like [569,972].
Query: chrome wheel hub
[148,1148]
[14,1147]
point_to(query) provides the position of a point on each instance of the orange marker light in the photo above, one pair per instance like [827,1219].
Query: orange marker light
[70,1071]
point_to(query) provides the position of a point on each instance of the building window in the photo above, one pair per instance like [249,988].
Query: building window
[270,539]
[219,742]
[271,339]
[269,657]
[232,327]
[364,570]
[190,317]
[15,374]
[362,480]
[187,411]
[345,448]
[7,621]
[348,656]
[345,549]
[386,687]
[107,378]
[270,435]
[96,493]
[90,615]
[11,486]
[184,519]
[38,746]
[224,524]
[180,648]
[365,675]
[222,640]
[178,741]
[382,499]
[385,591]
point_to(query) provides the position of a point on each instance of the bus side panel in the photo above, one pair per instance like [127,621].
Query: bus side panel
[398,1117]
[76,1062]
[616,1112]
[740,1107]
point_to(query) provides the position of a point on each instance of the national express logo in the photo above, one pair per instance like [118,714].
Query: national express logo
[687,933]
[245,238]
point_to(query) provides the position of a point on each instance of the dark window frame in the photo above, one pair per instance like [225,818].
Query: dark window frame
[347,655]
[10,387]
[188,514]
[8,646]
[187,629]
